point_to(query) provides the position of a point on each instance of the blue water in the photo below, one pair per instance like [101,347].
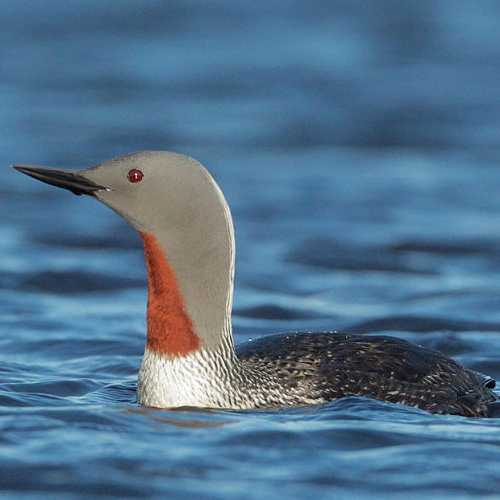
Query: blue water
[357,144]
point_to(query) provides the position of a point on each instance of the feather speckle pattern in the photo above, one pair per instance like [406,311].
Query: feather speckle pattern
[321,367]
[299,369]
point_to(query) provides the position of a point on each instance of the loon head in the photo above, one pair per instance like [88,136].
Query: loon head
[187,230]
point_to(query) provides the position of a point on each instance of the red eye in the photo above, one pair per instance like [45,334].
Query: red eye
[135,175]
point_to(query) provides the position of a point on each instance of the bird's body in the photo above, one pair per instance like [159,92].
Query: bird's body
[298,369]
[190,359]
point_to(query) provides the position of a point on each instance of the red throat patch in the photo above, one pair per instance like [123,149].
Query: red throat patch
[170,330]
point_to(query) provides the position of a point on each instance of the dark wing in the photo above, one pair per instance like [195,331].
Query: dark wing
[380,367]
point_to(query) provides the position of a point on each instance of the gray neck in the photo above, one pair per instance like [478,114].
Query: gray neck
[199,246]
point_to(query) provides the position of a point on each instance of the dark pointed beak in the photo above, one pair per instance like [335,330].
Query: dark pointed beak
[67,179]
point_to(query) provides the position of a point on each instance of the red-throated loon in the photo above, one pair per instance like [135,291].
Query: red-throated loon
[190,359]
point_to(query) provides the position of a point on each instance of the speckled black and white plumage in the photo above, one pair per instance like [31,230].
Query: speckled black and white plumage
[321,367]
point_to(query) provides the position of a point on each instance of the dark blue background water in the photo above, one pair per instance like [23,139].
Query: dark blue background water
[358,146]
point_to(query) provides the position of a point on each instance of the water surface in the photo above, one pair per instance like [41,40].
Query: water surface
[357,145]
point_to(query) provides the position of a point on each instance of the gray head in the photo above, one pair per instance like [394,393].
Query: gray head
[173,198]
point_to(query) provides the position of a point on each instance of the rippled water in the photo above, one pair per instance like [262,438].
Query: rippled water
[356,143]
